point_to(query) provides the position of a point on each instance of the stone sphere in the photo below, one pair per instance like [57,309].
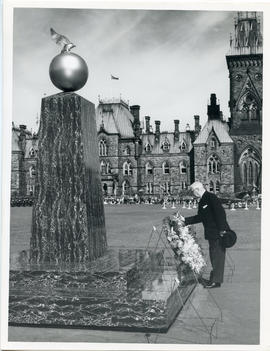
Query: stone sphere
[68,71]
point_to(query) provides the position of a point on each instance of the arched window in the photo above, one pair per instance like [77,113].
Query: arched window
[148,168]
[211,186]
[127,170]
[217,186]
[147,148]
[125,188]
[32,171]
[165,168]
[250,165]
[108,168]
[165,146]
[102,167]
[102,148]
[32,152]
[183,167]
[213,164]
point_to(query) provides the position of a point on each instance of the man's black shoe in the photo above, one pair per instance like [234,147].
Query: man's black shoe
[204,281]
[212,285]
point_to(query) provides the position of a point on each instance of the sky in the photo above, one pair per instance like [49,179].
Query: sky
[168,62]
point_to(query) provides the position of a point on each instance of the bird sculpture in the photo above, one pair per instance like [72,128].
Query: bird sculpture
[62,41]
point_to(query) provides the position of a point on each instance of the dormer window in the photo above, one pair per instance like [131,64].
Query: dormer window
[166,146]
[147,148]
[213,143]
[183,146]
[32,152]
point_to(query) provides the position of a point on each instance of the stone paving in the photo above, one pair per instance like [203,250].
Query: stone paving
[230,315]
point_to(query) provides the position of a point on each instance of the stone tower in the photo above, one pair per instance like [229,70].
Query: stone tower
[245,61]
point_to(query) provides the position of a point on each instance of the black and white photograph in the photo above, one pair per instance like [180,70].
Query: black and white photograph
[134,170]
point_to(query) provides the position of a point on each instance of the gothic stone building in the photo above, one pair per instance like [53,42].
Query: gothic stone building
[225,156]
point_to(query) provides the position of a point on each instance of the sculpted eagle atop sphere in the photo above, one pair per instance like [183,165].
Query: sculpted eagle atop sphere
[62,41]
[68,71]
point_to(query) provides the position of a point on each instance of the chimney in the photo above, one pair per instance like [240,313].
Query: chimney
[135,110]
[176,126]
[197,126]
[213,110]
[147,124]
[221,115]
[176,129]
[157,123]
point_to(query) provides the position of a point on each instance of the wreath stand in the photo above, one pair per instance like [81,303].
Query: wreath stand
[195,321]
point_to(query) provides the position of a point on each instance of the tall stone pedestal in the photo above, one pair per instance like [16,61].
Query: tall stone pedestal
[68,216]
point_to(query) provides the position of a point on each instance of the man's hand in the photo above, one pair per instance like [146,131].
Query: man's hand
[182,220]
[222,233]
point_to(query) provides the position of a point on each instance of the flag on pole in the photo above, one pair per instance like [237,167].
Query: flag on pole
[113,77]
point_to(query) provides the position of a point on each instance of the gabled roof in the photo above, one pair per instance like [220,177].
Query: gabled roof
[115,118]
[220,129]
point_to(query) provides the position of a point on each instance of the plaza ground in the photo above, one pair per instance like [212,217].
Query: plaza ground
[230,315]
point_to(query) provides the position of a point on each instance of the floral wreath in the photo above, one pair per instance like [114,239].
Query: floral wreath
[183,243]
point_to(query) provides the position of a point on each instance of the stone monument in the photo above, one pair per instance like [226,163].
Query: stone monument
[68,216]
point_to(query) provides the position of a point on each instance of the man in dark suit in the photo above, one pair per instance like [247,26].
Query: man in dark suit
[212,214]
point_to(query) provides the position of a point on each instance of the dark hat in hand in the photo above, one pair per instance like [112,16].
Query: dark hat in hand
[228,238]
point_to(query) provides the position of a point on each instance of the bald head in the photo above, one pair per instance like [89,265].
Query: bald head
[197,188]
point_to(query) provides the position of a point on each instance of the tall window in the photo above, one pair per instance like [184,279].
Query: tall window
[245,173]
[183,185]
[211,186]
[149,188]
[148,168]
[217,186]
[32,171]
[167,187]
[250,173]
[165,168]
[108,168]
[125,188]
[127,170]
[102,167]
[103,148]
[183,167]
[213,164]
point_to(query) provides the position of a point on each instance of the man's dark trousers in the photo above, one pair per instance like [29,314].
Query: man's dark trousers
[212,214]
[217,258]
